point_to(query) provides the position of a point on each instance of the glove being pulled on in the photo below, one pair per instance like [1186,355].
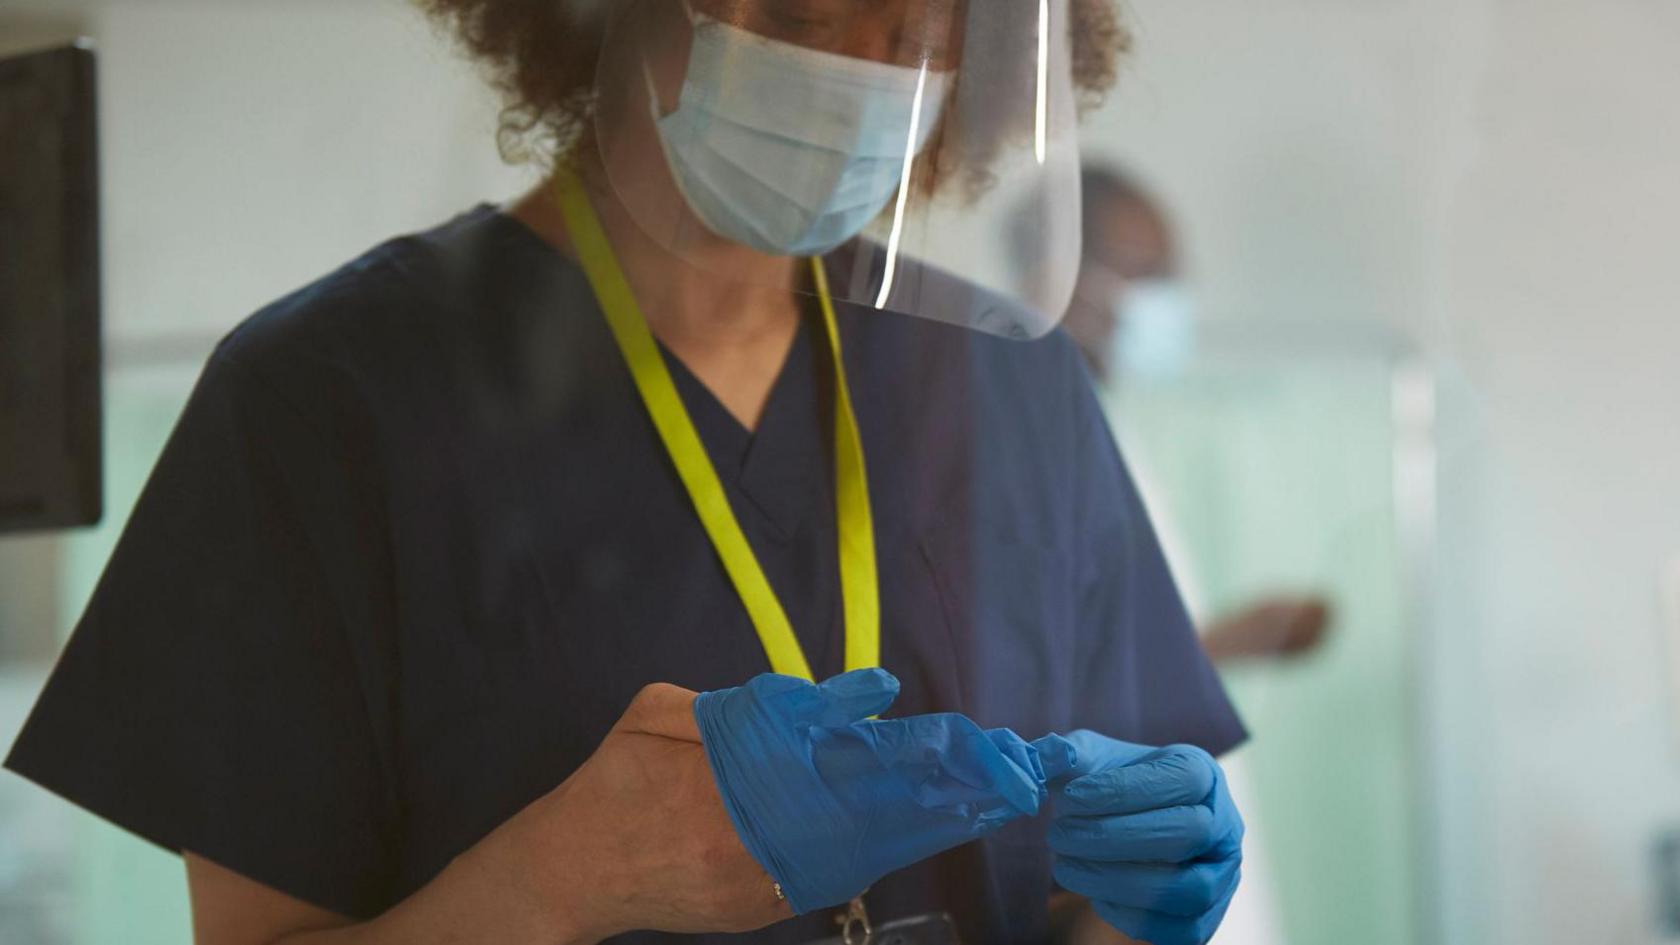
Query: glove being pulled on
[1150,836]
[829,800]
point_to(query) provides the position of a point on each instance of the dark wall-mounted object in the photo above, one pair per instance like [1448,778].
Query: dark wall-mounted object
[1667,862]
[51,456]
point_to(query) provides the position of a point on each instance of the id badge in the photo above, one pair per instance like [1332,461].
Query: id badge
[936,928]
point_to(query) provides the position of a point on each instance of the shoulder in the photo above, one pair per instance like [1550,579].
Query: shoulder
[369,301]
[397,324]
[956,317]
[980,349]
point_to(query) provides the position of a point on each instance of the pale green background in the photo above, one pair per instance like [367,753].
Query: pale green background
[1278,475]
[117,888]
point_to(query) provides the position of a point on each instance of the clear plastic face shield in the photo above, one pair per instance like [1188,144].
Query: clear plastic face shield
[926,149]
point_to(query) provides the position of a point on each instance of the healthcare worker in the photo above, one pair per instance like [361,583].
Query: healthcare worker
[1133,318]
[403,639]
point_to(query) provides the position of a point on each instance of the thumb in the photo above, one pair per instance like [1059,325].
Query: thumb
[1175,776]
[846,698]
[1056,756]
[948,764]
[661,709]
[1093,753]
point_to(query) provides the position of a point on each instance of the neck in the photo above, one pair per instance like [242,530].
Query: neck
[727,311]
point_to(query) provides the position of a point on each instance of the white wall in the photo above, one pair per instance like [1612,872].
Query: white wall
[1284,137]
[1560,287]
[249,147]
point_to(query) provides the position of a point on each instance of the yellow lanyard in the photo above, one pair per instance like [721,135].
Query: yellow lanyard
[682,442]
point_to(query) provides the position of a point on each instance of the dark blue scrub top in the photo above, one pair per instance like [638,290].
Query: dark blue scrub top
[414,545]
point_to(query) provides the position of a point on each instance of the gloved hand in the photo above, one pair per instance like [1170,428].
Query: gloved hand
[828,802]
[1150,836]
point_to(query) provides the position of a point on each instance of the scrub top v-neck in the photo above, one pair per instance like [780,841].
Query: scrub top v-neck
[777,475]
[415,544]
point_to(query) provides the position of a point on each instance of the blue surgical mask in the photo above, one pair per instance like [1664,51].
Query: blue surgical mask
[1155,330]
[788,150]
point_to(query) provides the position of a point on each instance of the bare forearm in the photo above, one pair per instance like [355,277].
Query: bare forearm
[501,890]
[594,857]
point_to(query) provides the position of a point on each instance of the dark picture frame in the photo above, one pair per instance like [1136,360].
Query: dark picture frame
[51,441]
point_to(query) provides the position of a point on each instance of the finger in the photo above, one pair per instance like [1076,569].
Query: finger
[971,758]
[949,764]
[1168,777]
[998,761]
[664,710]
[1159,928]
[857,695]
[1056,755]
[1094,752]
[1187,890]
[1016,750]
[837,701]
[1169,835]
[1227,821]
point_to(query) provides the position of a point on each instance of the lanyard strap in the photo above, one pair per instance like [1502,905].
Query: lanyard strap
[853,521]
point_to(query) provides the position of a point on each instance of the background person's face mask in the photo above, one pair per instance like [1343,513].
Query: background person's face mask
[1155,330]
[788,150]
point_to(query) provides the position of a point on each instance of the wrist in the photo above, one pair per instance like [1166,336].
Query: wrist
[553,876]
[503,889]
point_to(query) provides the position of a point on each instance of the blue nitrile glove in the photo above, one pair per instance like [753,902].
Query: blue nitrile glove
[828,801]
[1150,835]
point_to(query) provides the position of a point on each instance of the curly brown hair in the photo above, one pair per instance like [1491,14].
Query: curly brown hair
[541,55]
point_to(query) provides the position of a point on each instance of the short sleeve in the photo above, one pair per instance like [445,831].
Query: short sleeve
[1143,675]
[221,692]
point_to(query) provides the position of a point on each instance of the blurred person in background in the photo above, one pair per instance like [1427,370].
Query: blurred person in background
[1133,320]
[1133,317]
[406,638]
